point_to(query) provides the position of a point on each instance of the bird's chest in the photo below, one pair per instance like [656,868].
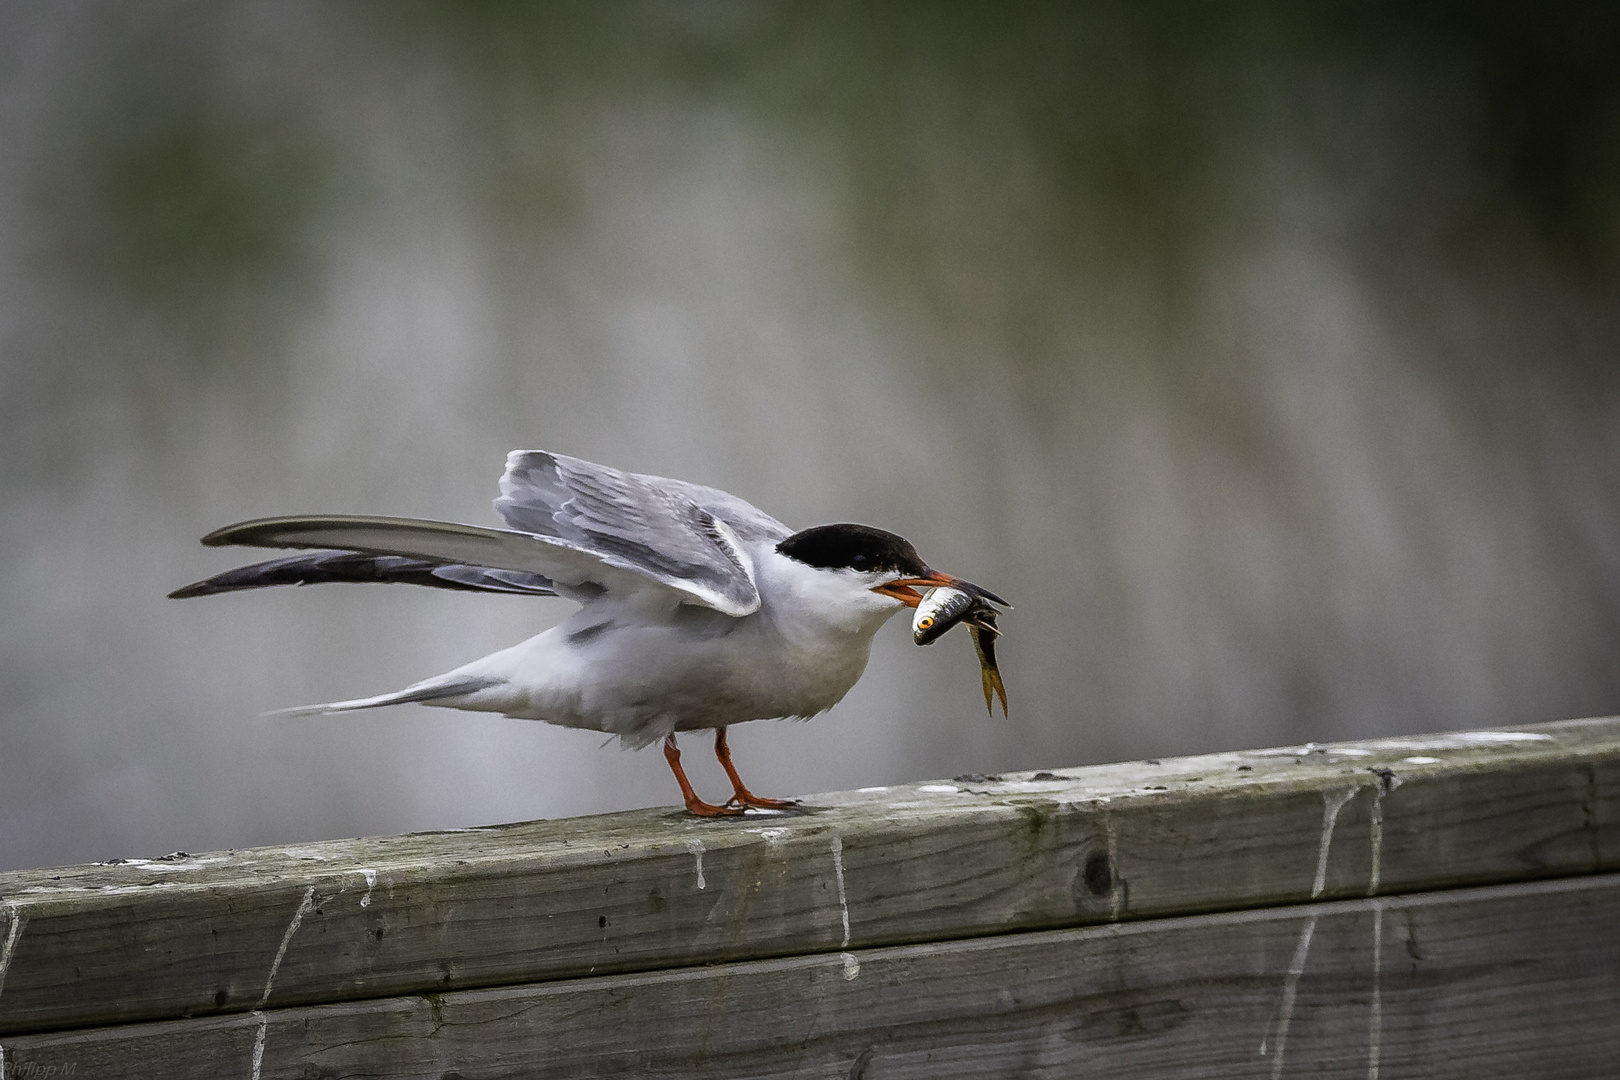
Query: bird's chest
[805,674]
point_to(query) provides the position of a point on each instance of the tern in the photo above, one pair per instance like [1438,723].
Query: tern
[697,609]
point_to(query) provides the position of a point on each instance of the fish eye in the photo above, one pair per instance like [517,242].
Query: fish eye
[926,621]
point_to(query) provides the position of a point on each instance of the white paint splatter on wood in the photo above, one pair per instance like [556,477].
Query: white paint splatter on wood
[838,874]
[1454,740]
[1464,738]
[852,966]
[371,883]
[286,939]
[1285,1008]
[1388,782]
[258,1042]
[15,922]
[695,846]
[1332,803]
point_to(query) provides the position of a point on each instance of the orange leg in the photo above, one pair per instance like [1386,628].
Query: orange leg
[694,805]
[743,797]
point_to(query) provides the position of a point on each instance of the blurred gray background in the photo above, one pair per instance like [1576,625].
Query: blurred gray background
[1263,354]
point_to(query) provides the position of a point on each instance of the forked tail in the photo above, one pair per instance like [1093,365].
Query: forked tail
[432,692]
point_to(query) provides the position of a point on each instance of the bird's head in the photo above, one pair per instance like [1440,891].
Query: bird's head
[869,563]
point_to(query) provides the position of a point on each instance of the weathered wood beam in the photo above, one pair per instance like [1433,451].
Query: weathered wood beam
[638,891]
[1500,982]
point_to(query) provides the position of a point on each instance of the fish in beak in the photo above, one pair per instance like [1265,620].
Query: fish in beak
[905,589]
[948,601]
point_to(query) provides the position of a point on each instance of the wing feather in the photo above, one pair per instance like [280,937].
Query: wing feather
[682,535]
[320,567]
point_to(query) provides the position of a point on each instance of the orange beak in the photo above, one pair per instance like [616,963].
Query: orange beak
[904,591]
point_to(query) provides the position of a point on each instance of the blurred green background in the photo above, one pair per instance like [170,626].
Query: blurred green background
[1264,354]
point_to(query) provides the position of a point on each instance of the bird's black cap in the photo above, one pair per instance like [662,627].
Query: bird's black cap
[854,547]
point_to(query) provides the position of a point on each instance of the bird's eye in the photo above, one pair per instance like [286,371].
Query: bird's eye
[858,562]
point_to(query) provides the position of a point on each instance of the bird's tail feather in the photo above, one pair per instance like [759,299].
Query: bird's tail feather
[433,690]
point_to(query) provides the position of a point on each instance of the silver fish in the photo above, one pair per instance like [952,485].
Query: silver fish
[940,610]
[943,608]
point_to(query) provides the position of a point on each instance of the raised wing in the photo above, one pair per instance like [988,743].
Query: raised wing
[682,535]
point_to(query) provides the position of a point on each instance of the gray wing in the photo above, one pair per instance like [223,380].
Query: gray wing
[682,535]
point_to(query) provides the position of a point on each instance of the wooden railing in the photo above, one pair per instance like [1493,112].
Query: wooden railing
[1424,906]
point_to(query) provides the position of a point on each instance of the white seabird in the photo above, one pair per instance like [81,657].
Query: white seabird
[697,609]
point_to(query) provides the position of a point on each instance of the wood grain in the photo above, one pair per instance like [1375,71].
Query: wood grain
[1505,981]
[646,890]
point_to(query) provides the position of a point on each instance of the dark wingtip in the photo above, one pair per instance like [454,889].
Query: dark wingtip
[196,588]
